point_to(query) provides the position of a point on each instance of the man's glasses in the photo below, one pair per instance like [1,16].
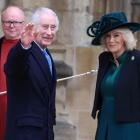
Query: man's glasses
[15,23]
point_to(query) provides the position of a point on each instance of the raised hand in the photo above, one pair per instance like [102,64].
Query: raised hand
[28,36]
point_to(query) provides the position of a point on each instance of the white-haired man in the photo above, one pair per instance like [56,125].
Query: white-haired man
[31,81]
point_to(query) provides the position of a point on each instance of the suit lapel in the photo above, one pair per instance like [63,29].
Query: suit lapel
[42,61]
[54,79]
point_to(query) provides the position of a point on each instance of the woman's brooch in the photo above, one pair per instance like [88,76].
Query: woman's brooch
[132,58]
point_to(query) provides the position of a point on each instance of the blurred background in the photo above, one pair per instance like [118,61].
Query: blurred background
[73,54]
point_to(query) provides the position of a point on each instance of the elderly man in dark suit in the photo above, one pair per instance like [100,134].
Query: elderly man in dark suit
[31,81]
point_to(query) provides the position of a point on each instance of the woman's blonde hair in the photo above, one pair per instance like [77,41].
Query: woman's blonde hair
[130,41]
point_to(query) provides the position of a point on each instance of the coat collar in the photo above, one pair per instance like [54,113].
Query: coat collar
[104,60]
[125,70]
[41,59]
[53,66]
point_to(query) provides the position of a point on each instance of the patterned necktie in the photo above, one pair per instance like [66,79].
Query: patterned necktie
[49,60]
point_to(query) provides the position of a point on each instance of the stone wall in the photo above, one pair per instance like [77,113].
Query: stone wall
[74,98]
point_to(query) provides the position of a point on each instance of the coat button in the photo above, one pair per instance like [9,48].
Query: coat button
[44,87]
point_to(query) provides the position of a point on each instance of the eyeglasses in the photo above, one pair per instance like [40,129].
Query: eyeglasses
[15,23]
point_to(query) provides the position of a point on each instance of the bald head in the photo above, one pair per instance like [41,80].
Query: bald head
[13,11]
[12,14]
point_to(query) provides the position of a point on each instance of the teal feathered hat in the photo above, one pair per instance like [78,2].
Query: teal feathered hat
[109,22]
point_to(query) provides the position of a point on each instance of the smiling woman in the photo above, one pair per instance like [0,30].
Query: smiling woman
[115,43]
[117,87]
[130,41]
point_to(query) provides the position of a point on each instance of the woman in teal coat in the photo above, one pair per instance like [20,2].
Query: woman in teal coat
[117,96]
